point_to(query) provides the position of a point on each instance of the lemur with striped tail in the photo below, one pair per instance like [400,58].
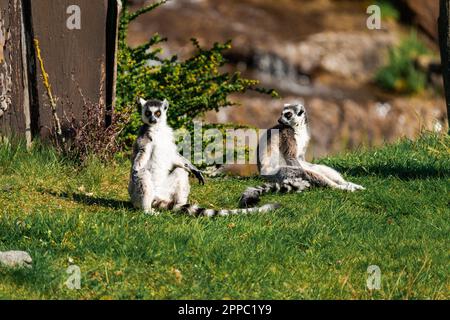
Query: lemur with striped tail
[159,177]
[281,160]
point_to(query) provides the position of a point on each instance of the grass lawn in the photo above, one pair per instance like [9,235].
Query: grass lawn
[317,246]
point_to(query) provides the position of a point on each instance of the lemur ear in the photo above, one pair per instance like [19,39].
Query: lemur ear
[300,109]
[165,104]
[141,102]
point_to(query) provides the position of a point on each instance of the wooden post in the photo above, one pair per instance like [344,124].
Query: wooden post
[77,42]
[444,42]
[14,94]
[112,42]
[75,57]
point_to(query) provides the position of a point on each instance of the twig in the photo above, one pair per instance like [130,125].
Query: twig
[146,9]
[47,86]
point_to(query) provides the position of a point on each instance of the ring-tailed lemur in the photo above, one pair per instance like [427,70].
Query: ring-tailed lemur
[159,176]
[281,159]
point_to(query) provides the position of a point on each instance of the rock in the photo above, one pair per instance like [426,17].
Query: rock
[346,124]
[16,259]
[347,54]
[320,51]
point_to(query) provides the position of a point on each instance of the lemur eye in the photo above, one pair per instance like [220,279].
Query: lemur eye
[158,113]
[148,113]
[288,115]
[300,113]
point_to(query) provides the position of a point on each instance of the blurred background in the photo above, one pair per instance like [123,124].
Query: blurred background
[360,86]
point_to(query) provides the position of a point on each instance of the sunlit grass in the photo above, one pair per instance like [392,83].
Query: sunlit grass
[318,245]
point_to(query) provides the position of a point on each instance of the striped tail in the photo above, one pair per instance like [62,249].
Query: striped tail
[251,196]
[196,211]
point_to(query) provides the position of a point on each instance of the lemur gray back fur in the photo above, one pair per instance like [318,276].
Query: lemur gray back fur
[285,143]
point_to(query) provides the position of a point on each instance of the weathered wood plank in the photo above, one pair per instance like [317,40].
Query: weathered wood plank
[444,40]
[80,62]
[75,59]
[14,108]
[112,35]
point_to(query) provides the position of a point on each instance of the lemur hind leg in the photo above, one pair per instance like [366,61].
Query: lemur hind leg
[182,187]
[285,173]
[286,179]
[325,176]
[178,187]
[336,177]
[174,191]
[142,191]
[318,175]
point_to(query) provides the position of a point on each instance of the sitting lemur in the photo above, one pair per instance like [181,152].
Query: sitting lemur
[281,160]
[159,177]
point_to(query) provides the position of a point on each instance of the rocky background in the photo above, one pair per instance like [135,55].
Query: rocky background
[316,51]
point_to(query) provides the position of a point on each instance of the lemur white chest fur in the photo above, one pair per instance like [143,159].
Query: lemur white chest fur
[163,151]
[302,138]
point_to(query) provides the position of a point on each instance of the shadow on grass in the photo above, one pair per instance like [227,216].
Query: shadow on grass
[92,200]
[399,171]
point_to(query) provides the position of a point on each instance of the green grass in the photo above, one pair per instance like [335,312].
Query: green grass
[318,245]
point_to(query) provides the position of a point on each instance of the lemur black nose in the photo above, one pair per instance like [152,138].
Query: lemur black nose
[288,115]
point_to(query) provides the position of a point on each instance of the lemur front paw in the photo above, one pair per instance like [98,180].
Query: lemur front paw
[199,175]
[358,187]
[134,175]
[352,187]
[137,175]
[151,212]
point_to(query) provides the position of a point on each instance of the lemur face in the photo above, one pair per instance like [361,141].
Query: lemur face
[153,111]
[293,115]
